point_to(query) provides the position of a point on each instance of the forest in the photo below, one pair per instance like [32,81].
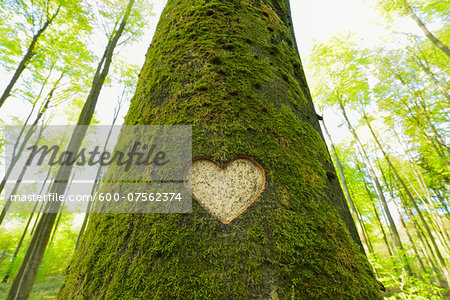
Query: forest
[314,175]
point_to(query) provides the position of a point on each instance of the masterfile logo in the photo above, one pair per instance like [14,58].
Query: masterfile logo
[129,169]
[143,156]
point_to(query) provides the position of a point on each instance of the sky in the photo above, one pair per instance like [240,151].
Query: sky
[320,19]
[312,19]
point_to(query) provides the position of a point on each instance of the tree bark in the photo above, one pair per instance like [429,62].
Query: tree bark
[377,216]
[231,69]
[420,178]
[19,245]
[428,250]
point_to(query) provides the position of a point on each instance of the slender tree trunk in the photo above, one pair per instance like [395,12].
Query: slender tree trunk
[442,201]
[365,233]
[23,282]
[428,250]
[435,228]
[40,193]
[417,228]
[18,182]
[57,223]
[412,200]
[442,230]
[393,227]
[19,245]
[377,216]
[203,68]
[18,152]
[88,208]
[421,110]
[425,30]
[420,179]
[437,276]
[16,157]
[27,58]
[22,130]
[61,209]
[438,84]
[402,221]
[99,174]
[344,185]
[430,203]
[15,284]
[14,160]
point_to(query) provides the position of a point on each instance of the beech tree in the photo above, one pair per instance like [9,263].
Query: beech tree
[432,9]
[232,70]
[393,97]
[25,277]
[36,27]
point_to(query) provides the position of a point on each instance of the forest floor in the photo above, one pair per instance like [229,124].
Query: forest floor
[42,290]
[48,289]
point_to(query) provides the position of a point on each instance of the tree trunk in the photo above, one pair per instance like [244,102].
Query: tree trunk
[421,110]
[40,193]
[428,251]
[55,228]
[442,201]
[18,181]
[17,152]
[16,157]
[421,180]
[377,217]
[428,71]
[413,201]
[19,245]
[392,226]
[98,175]
[364,230]
[346,191]
[231,69]
[23,282]
[402,221]
[26,59]
[441,46]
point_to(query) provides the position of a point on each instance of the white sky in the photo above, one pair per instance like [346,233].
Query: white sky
[312,19]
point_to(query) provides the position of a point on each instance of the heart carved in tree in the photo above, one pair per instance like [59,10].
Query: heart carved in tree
[226,191]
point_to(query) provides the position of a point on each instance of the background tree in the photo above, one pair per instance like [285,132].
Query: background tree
[35,19]
[406,132]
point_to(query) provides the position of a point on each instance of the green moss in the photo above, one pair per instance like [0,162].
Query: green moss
[230,69]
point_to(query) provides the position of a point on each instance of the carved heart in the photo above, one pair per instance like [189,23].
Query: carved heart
[226,191]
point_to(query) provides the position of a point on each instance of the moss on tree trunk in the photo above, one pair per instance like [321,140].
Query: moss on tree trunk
[231,69]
